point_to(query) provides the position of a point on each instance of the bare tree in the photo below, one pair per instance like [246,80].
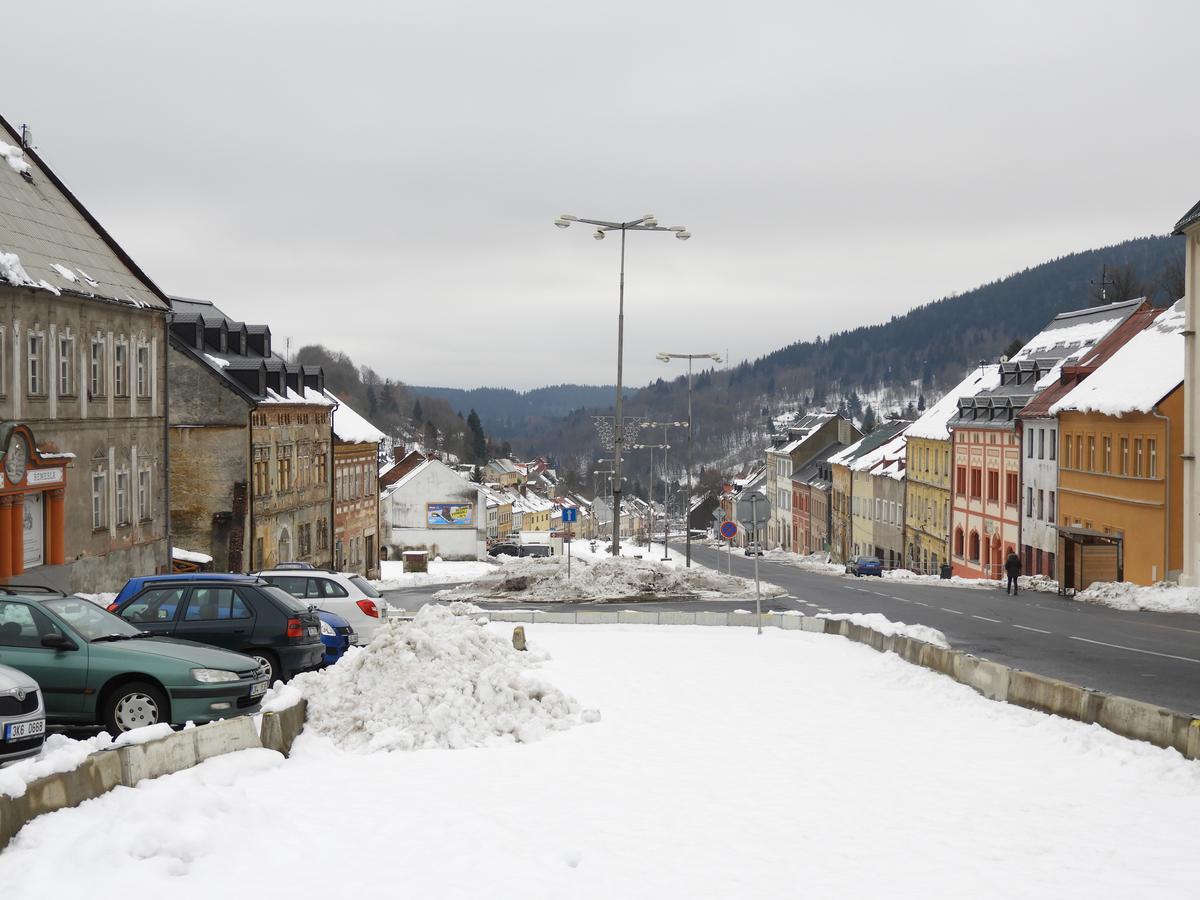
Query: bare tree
[1172,279]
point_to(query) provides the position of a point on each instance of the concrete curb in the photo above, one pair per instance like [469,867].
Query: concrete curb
[1128,718]
[101,772]
[280,730]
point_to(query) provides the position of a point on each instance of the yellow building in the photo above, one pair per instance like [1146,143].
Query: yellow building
[927,489]
[1120,501]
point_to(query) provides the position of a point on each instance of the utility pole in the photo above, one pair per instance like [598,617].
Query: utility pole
[1103,284]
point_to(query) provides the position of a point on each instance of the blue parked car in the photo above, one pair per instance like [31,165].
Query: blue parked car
[337,635]
[135,585]
[864,565]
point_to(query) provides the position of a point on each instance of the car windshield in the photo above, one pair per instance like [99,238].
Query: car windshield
[286,600]
[870,561]
[365,586]
[89,620]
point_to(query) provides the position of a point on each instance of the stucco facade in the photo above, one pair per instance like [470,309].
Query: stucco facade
[412,504]
[927,504]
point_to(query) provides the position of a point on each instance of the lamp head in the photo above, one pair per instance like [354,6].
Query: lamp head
[562,222]
[649,220]
[683,235]
[599,235]
[662,357]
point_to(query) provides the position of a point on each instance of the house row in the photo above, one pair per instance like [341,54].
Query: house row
[144,431]
[1069,454]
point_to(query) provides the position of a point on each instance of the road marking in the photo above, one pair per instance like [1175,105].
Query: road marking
[919,603]
[986,619]
[901,599]
[1134,649]
[957,612]
[1028,628]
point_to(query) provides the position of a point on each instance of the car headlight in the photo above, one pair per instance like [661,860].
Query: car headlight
[327,629]
[213,676]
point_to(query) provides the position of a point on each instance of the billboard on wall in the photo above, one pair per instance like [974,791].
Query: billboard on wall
[449,513]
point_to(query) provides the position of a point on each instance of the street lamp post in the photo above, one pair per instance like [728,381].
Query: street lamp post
[645,223]
[664,447]
[667,357]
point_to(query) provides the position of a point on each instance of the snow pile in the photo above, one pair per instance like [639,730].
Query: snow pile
[280,696]
[63,271]
[393,576]
[1161,597]
[12,271]
[440,681]
[14,156]
[194,556]
[101,599]
[888,628]
[813,562]
[621,578]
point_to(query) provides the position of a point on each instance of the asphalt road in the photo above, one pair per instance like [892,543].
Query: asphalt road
[1148,656]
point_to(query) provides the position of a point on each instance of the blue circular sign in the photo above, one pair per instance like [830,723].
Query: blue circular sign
[729,531]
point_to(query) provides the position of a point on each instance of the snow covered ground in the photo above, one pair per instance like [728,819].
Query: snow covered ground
[1160,597]
[602,578]
[725,765]
[393,576]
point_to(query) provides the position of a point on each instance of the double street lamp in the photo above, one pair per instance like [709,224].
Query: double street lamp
[667,357]
[645,223]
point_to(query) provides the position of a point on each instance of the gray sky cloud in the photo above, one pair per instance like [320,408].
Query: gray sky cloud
[382,178]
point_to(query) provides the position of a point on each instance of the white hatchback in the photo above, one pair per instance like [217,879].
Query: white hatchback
[348,595]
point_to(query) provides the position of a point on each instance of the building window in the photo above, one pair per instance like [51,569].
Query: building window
[123,498]
[121,369]
[284,459]
[1050,511]
[285,546]
[143,493]
[976,484]
[303,468]
[1012,491]
[99,500]
[304,535]
[1041,443]
[96,377]
[961,481]
[143,371]
[37,364]
[1053,442]
[1029,444]
[1107,454]
[1151,458]
[1041,507]
[1029,502]
[1124,456]
[993,487]
[262,473]
[1137,457]
[66,359]
[974,557]
[322,534]
[1079,451]
[322,473]
[1091,457]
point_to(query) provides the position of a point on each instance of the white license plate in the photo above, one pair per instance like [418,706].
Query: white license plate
[257,690]
[15,731]
[313,632]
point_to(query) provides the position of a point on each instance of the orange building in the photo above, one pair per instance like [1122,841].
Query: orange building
[1120,515]
[32,523]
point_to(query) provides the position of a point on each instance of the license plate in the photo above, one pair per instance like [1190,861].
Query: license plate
[15,731]
[257,690]
[313,632]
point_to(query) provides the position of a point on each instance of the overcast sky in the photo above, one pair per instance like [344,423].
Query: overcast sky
[382,177]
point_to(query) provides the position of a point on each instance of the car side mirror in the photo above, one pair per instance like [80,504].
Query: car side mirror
[59,642]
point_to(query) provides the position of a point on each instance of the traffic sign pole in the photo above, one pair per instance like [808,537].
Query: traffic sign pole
[757,591]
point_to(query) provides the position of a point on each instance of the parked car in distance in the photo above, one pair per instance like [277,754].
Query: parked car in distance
[337,635]
[753,548]
[504,550]
[350,596]
[536,550]
[864,565]
[233,612]
[135,585]
[95,668]
[22,715]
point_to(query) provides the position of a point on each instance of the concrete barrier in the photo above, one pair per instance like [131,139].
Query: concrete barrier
[671,617]
[1145,722]
[154,758]
[987,677]
[791,623]
[279,730]
[711,618]
[743,619]
[555,618]
[637,617]
[96,775]
[226,736]
[597,618]
[817,626]
[1049,695]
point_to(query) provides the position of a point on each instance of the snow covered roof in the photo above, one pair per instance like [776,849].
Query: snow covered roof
[49,240]
[934,421]
[1135,378]
[308,395]
[350,427]
[410,475]
[868,444]
[1190,218]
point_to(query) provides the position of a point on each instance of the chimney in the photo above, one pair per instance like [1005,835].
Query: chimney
[399,451]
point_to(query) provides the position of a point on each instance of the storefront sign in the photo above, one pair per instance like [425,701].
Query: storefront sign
[44,476]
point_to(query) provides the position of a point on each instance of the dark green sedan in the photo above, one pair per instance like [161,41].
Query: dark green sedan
[95,668]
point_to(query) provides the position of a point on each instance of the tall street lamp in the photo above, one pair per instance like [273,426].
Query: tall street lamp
[645,223]
[667,357]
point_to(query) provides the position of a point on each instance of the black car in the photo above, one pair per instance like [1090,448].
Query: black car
[245,614]
[504,550]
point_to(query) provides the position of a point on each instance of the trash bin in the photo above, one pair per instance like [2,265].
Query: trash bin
[945,573]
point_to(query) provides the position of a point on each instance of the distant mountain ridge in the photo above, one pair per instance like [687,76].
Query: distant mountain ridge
[505,410]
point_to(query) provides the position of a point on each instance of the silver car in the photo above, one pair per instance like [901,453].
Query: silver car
[22,716]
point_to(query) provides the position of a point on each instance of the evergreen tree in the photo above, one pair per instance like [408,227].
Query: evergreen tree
[868,420]
[921,403]
[478,441]
[418,417]
[854,404]
[1013,348]
[431,436]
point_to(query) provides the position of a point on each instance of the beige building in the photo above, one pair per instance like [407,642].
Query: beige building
[1189,227]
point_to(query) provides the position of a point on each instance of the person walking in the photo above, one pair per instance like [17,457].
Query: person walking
[1012,566]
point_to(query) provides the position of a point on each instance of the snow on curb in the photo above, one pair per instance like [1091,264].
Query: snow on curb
[439,681]
[1161,597]
[888,628]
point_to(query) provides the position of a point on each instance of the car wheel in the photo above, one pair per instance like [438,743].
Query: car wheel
[133,705]
[266,659]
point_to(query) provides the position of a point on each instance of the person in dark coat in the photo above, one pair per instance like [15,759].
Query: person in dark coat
[1012,566]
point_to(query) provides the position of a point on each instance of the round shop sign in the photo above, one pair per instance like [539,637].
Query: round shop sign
[16,459]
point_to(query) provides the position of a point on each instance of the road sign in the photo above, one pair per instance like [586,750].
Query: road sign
[719,514]
[569,514]
[729,531]
[754,509]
